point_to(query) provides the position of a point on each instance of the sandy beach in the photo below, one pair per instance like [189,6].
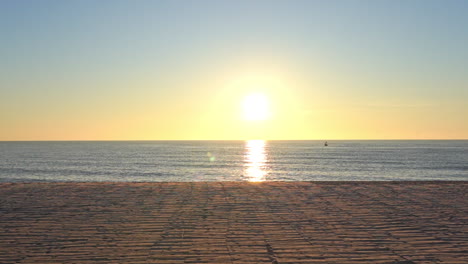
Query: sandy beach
[234,222]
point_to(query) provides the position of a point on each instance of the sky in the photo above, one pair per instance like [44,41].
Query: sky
[182,70]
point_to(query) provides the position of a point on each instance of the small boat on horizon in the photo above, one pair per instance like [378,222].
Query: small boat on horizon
[326,144]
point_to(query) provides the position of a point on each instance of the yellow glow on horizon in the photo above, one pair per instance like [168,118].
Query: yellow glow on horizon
[256,107]
[258,103]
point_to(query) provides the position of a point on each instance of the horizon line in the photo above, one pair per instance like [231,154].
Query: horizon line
[141,140]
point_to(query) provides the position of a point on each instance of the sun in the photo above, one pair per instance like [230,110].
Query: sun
[256,107]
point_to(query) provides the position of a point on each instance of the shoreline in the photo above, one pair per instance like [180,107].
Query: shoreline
[234,222]
[240,182]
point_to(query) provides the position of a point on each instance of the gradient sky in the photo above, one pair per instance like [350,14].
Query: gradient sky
[144,70]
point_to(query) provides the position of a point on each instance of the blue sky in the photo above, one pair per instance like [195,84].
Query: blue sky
[384,52]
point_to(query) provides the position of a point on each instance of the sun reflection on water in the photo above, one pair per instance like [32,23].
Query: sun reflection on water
[255,160]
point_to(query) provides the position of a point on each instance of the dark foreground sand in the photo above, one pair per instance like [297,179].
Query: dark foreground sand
[299,222]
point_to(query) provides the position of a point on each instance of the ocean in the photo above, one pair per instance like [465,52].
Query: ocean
[254,160]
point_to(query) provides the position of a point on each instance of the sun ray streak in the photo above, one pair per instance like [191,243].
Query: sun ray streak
[255,160]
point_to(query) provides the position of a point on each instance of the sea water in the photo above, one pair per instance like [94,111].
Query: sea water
[254,160]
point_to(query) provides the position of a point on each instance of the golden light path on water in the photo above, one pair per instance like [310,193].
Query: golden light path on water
[255,160]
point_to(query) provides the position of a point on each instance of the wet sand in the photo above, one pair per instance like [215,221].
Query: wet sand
[273,222]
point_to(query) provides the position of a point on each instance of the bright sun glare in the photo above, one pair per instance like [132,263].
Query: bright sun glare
[256,107]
